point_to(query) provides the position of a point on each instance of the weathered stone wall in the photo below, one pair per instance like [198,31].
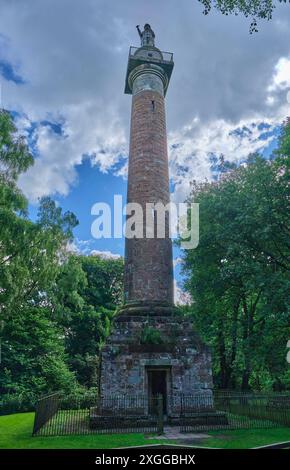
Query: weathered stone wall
[148,261]
[125,358]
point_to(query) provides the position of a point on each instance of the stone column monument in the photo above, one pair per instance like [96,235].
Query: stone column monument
[148,261]
[151,349]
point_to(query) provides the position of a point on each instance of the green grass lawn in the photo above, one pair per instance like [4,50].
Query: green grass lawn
[15,433]
[246,438]
[16,429]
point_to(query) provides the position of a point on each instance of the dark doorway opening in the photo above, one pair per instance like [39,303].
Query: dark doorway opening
[157,385]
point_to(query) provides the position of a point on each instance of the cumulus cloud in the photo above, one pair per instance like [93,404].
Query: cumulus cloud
[105,254]
[70,60]
[281,77]
[85,134]
[84,247]
[193,147]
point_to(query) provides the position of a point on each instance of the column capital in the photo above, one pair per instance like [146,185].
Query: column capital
[148,77]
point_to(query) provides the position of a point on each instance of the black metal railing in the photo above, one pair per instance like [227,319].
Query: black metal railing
[234,410]
[59,415]
[46,408]
[167,56]
[88,415]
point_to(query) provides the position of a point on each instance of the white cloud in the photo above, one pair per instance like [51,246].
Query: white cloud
[72,56]
[192,147]
[85,133]
[105,254]
[84,247]
[281,77]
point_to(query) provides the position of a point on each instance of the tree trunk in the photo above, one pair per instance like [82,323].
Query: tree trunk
[248,338]
[246,347]
[224,372]
[232,379]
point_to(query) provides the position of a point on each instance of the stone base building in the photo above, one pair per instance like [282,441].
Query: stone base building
[149,354]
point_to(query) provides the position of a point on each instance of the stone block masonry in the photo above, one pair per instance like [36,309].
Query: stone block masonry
[128,357]
[148,261]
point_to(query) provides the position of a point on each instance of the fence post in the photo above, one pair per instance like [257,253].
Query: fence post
[182,420]
[160,426]
[36,419]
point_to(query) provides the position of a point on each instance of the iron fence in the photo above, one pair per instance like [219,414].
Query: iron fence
[58,415]
[46,409]
[235,410]
[89,415]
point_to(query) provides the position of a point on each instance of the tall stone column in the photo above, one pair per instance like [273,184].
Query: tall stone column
[173,360]
[148,261]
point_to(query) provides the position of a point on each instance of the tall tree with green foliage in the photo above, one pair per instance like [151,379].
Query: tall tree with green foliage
[29,252]
[56,307]
[87,291]
[238,276]
[32,350]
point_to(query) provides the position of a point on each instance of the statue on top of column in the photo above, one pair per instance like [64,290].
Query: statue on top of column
[147,36]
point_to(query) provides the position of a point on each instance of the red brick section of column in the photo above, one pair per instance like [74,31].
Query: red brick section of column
[148,261]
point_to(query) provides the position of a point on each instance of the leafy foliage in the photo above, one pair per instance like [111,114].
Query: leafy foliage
[33,358]
[14,154]
[86,293]
[56,308]
[258,9]
[239,274]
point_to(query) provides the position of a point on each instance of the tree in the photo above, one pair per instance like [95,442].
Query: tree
[86,294]
[29,252]
[105,281]
[34,360]
[32,356]
[239,274]
[56,308]
[259,9]
[15,156]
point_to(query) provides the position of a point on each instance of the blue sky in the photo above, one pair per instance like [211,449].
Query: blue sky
[8,73]
[93,186]
[62,73]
